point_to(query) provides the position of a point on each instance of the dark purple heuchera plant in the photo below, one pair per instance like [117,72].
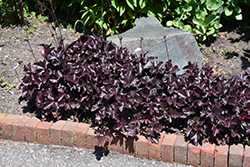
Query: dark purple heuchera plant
[217,110]
[125,93]
[121,92]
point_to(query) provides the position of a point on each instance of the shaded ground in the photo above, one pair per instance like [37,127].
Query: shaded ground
[229,56]
[15,53]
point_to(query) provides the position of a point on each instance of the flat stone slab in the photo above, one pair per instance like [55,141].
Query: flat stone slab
[152,32]
[174,53]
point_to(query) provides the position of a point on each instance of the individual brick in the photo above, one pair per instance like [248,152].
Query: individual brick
[141,150]
[68,133]
[246,161]
[180,150]
[130,146]
[7,126]
[91,140]
[81,135]
[117,143]
[207,154]
[55,132]
[235,155]
[2,116]
[30,129]
[167,148]
[154,150]
[194,153]
[43,132]
[220,156]
[18,128]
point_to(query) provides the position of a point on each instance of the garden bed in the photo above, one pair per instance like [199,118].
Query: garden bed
[229,56]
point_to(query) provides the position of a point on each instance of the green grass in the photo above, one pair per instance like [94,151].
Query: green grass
[19,61]
[6,85]
[16,36]
[223,51]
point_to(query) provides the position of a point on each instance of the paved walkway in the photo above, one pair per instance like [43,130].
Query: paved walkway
[22,154]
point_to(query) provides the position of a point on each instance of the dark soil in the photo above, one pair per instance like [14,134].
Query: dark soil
[229,56]
[15,53]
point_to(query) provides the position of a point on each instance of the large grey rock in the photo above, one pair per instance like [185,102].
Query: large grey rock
[182,46]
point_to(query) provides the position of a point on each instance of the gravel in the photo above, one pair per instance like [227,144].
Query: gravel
[24,154]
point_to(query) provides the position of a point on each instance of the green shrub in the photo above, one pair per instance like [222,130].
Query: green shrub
[124,12]
[200,17]
[10,11]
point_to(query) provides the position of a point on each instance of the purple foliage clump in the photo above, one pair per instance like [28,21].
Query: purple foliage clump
[132,94]
[216,109]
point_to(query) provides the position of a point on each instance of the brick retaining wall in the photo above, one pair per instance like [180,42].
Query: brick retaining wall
[171,148]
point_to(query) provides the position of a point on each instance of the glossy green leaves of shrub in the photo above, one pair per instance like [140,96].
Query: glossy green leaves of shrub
[124,13]
[200,17]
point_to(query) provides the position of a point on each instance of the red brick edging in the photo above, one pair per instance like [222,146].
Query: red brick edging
[171,148]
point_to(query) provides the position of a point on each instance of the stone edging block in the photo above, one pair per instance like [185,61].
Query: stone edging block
[194,154]
[171,148]
[220,156]
[180,150]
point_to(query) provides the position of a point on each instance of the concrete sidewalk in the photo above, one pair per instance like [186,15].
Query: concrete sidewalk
[23,154]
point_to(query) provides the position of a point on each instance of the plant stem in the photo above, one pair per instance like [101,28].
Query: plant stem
[55,18]
[102,18]
[31,48]
[166,46]
[22,17]
[141,44]
[110,8]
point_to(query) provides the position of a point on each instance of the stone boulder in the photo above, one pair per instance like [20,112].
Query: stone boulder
[182,46]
